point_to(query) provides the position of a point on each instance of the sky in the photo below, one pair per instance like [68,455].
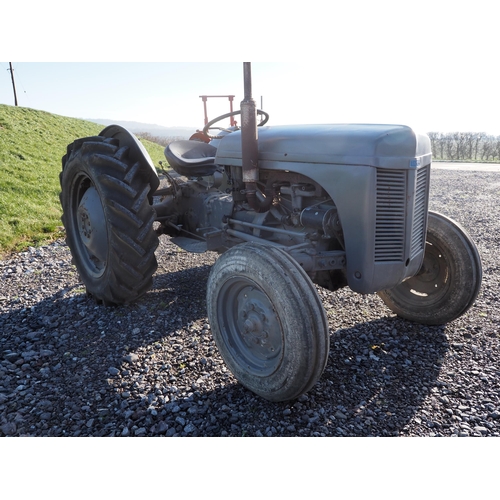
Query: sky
[169,93]
[428,64]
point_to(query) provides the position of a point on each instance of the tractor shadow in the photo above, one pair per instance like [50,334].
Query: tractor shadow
[79,359]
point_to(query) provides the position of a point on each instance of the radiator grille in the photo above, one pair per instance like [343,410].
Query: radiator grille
[390,215]
[418,235]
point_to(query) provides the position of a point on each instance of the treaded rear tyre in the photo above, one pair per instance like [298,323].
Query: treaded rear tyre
[268,321]
[448,282]
[108,219]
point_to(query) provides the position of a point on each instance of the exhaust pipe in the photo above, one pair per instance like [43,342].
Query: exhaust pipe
[249,146]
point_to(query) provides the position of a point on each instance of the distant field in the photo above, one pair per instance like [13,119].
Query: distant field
[470,167]
[32,144]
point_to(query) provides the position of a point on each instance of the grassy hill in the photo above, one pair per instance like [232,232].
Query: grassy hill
[32,144]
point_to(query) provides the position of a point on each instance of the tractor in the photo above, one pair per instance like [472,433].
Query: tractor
[289,209]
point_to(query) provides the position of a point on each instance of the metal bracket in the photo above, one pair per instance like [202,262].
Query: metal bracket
[322,261]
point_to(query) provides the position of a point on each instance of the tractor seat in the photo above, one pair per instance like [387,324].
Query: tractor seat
[191,158]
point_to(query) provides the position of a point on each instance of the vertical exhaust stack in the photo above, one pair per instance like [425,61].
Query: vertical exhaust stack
[249,146]
[249,134]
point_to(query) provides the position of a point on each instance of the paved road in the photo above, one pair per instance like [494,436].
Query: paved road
[471,167]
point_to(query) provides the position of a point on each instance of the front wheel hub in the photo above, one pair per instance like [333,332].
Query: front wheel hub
[92,224]
[251,328]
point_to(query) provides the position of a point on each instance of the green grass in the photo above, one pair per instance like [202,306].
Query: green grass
[32,144]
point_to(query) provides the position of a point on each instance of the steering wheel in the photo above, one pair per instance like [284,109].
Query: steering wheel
[227,115]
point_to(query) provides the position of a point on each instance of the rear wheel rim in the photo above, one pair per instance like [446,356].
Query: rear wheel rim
[89,225]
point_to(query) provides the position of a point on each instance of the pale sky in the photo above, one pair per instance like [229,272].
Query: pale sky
[429,64]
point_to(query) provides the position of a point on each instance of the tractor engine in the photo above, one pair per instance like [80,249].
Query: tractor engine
[211,213]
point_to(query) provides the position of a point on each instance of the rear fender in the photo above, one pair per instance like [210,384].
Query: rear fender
[137,151]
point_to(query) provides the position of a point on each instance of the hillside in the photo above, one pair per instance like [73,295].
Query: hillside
[155,130]
[32,144]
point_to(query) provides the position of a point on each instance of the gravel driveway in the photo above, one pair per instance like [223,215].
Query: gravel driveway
[71,368]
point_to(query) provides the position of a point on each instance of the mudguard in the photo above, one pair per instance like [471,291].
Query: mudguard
[137,151]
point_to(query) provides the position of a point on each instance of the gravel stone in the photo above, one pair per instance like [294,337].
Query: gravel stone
[71,367]
[131,358]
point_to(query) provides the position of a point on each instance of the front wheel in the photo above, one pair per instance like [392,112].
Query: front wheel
[267,321]
[448,281]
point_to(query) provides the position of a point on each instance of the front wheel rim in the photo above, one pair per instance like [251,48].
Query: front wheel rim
[250,327]
[433,280]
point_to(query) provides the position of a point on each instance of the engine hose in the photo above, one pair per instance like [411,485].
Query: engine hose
[254,202]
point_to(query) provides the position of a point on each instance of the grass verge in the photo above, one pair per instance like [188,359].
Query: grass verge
[32,144]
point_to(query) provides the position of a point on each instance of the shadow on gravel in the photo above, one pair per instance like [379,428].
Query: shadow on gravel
[70,367]
[370,387]
[60,359]
[380,372]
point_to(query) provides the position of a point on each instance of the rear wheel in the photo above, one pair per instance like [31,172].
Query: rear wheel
[108,219]
[448,282]
[268,321]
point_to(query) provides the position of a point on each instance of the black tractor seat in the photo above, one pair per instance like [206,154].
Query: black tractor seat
[191,158]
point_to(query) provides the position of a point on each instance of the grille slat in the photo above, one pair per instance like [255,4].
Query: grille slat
[390,215]
[391,212]
[418,236]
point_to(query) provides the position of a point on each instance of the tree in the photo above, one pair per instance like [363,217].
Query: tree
[464,146]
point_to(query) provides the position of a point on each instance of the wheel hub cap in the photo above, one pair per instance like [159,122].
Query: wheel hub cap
[92,224]
[254,332]
[252,329]
[434,274]
[259,326]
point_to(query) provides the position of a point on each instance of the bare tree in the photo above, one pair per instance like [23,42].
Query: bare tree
[441,145]
[448,138]
[487,147]
[496,150]
[434,137]
[468,145]
[478,138]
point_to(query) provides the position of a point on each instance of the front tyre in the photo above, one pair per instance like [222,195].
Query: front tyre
[108,219]
[267,321]
[448,282]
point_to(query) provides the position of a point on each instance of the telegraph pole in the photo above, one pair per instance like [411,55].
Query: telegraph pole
[13,83]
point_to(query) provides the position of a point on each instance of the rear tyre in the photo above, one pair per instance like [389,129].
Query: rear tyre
[267,321]
[448,282]
[108,219]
